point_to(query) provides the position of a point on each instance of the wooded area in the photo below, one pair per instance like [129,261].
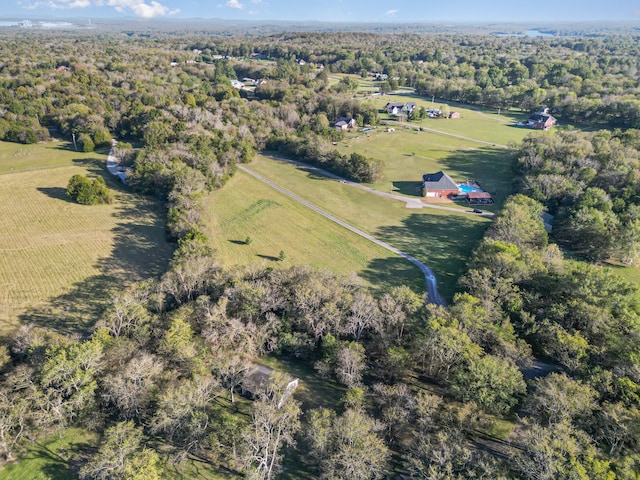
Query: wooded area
[418,390]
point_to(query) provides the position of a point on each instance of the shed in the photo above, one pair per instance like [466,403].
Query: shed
[257,380]
[479,198]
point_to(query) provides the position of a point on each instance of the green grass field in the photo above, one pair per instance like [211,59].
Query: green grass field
[443,240]
[247,208]
[62,261]
[15,156]
[407,154]
[51,458]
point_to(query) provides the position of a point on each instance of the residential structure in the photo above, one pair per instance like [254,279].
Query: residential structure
[541,120]
[409,107]
[394,108]
[344,123]
[257,380]
[438,184]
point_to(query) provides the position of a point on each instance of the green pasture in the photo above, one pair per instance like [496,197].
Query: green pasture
[441,239]
[62,261]
[407,154]
[16,156]
[246,207]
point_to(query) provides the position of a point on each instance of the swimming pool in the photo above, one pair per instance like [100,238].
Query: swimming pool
[464,188]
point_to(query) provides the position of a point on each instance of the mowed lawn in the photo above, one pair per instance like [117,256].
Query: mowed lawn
[443,240]
[407,153]
[16,156]
[61,261]
[245,207]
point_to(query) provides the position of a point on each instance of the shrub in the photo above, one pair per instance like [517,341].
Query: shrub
[89,192]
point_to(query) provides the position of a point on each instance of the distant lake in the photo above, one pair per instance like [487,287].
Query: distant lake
[527,33]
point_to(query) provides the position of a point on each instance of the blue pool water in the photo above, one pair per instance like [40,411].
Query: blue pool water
[469,188]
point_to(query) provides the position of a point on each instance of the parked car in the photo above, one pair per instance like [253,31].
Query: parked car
[477,210]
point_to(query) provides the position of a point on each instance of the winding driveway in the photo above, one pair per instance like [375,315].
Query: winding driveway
[408,201]
[430,278]
[113,165]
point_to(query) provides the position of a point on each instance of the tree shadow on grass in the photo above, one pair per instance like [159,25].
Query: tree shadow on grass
[386,273]
[140,251]
[61,464]
[57,193]
[268,257]
[64,145]
[443,242]
[407,188]
[490,167]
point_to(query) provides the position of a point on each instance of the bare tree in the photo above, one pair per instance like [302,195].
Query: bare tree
[274,422]
[350,363]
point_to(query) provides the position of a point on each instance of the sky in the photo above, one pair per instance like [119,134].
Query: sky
[396,11]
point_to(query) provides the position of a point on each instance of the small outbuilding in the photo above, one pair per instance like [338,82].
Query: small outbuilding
[257,381]
[479,198]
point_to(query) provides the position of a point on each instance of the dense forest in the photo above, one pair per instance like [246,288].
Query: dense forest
[159,374]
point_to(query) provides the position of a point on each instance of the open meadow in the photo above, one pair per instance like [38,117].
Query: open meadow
[16,156]
[472,147]
[247,208]
[62,261]
[441,239]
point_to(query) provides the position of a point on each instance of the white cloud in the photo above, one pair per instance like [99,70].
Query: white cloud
[391,13]
[140,8]
[235,4]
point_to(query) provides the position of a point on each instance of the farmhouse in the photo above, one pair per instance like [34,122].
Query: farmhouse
[438,185]
[344,123]
[541,120]
[394,108]
[257,380]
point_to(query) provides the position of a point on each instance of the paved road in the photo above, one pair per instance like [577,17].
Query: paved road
[408,201]
[430,278]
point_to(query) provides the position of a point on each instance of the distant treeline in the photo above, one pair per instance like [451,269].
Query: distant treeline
[583,80]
